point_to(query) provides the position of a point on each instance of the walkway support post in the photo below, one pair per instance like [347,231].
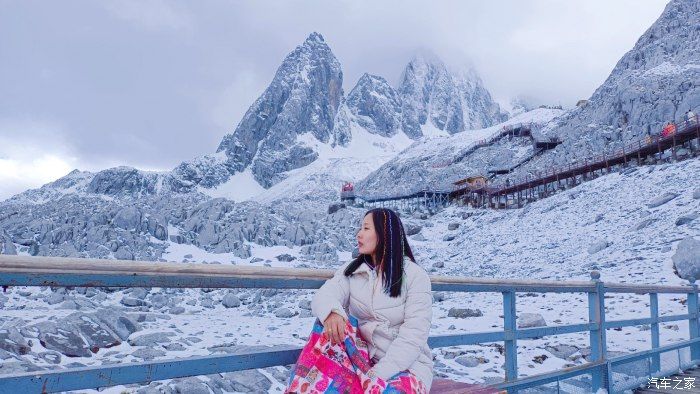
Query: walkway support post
[510,328]
[596,315]
[639,157]
[693,320]
[654,307]
[673,150]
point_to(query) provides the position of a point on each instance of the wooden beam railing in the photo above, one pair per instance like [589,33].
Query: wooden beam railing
[51,271]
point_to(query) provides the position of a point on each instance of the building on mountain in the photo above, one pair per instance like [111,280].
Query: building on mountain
[472,182]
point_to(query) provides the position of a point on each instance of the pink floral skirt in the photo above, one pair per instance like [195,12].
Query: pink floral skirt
[342,368]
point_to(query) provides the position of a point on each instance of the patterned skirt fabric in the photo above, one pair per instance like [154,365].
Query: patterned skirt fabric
[341,368]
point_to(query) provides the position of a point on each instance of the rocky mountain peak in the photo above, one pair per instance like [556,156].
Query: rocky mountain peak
[303,97]
[435,96]
[375,105]
[314,38]
[657,81]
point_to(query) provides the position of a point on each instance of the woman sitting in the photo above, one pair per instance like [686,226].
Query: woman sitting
[375,313]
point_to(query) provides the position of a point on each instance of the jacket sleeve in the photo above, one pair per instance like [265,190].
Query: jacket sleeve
[413,333]
[332,296]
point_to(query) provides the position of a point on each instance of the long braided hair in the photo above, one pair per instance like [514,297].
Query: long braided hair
[392,246]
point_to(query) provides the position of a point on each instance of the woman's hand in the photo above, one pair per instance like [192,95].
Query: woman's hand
[334,327]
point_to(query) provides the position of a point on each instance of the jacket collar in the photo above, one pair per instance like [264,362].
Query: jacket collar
[363,268]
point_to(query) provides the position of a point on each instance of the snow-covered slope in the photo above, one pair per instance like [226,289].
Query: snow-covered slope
[656,82]
[550,238]
[606,224]
[435,163]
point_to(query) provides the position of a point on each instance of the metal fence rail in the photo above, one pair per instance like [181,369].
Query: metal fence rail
[600,372]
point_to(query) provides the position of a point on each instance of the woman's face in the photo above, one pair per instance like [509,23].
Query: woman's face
[367,236]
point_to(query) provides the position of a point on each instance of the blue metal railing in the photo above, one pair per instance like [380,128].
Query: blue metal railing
[42,271]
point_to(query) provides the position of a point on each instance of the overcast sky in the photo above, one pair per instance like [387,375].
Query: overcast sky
[148,83]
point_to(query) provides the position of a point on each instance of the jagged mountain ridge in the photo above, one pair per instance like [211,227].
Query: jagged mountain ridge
[375,105]
[655,82]
[453,102]
[305,102]
[306,96]
[303,98]
[301,118]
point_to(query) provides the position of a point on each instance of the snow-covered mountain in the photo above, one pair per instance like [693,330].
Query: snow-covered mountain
[305,104]
[303,98]
[302,137]
[627,224]
[293,147]
[433,96]
[656,82]
[375,105]
[652,84]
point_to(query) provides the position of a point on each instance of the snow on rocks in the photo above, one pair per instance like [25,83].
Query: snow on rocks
[61,339]
[528,320]
[285,257]
[562,351]
[120,323]
[644,223]
[12,341]
[661,200]
[687,218]
[150,339]
[305,305]
[686,260]
[146,353]
[470,361]
[412,229]
[231,300]
[598,246]
[284,313]
[133,302]
[462,313]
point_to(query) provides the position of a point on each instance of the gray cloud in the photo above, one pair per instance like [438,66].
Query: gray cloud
[152,83]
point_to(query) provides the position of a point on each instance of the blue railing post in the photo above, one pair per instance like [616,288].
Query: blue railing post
[654,307]
[596,315]
[693,320]
[510,328]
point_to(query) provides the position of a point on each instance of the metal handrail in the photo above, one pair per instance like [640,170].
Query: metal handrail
[52,271]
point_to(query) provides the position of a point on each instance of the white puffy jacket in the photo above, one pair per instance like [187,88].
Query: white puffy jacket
[396,329]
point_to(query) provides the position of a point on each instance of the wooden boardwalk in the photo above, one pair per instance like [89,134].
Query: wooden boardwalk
[530,189]
[673,381]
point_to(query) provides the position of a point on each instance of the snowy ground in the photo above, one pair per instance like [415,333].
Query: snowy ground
[548,239]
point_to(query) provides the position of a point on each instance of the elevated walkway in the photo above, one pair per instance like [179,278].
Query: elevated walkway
[515,193]
[433,197]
